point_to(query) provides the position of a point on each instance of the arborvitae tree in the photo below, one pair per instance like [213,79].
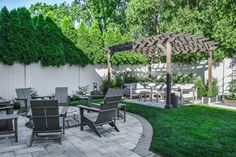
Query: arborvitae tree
[5,53]
[39,24]
[52,42]
[14,34]
[27,39]
[68,28]
[97,53]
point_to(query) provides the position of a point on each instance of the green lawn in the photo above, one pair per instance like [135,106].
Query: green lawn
[84,102]
[191,131]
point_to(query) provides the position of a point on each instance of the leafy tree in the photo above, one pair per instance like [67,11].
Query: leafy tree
[114,36]
[5,52]
[40,9]
[143,17]
[55,12]
[83,41]
[213,19]
[108,13]
[97,53]
[68,28]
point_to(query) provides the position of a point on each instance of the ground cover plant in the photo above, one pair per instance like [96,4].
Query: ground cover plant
[190,131]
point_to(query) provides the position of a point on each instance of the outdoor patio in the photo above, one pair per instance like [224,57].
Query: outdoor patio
[117,78]
[76,143]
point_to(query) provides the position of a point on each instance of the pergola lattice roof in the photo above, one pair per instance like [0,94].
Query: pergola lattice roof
[154,46]
[167,44]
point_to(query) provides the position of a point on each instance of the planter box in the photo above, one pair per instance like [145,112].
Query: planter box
[230,102]
[207,100]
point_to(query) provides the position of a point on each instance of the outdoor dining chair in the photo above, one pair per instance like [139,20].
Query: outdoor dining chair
[24,98]
[45,116]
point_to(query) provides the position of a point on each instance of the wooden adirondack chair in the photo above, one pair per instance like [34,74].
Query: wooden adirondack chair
[45,116]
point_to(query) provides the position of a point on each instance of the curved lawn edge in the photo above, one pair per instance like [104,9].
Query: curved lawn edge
[144,143]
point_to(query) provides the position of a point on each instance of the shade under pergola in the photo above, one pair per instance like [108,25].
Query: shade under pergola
[167,44]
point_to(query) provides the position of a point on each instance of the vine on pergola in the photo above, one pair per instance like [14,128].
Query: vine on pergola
[167,44]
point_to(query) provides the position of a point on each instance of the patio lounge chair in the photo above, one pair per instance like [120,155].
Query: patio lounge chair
[101,117]
[61,95]
[45,116]
[6,120]
[112,96]
[24,98]
[111,100]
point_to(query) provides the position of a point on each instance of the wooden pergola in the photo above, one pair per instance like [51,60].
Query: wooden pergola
[167,44]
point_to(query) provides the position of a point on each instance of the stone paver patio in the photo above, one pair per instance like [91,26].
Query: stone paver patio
[76,143]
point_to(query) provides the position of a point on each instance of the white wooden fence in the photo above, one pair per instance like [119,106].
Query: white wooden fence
[45,79]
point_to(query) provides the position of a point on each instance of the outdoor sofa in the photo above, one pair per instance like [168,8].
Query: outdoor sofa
[186,92]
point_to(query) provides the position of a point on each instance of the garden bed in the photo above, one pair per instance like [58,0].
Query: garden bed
[228,102]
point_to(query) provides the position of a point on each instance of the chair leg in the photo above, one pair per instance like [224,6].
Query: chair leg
[31,139]
[60,138]
[92,126]
[96,130]
[63,125]
[112,124]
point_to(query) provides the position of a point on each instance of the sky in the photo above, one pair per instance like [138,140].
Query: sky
[12,4]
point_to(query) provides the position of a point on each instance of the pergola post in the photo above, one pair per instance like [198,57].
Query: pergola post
[150,61]
[109,68]
[209,74]
[168,76]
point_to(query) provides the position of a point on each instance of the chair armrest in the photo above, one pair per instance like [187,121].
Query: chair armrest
[37,97]
[95,105]
[96,96]
[89,108]
[8,117]
[4,102]
[98,104]
[21,99]
[7,107]
[64,111]
[90,97]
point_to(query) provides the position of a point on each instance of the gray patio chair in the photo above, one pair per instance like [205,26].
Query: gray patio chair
[61,95]
[99,117]
[24,98]
[6,120]
[111,100]
[45,116]
[112,95]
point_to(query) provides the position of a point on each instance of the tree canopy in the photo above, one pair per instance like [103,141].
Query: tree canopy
[83,29]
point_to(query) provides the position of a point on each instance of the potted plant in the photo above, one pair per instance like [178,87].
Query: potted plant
[211,96]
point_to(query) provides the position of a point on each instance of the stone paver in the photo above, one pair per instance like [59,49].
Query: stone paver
[76,143]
